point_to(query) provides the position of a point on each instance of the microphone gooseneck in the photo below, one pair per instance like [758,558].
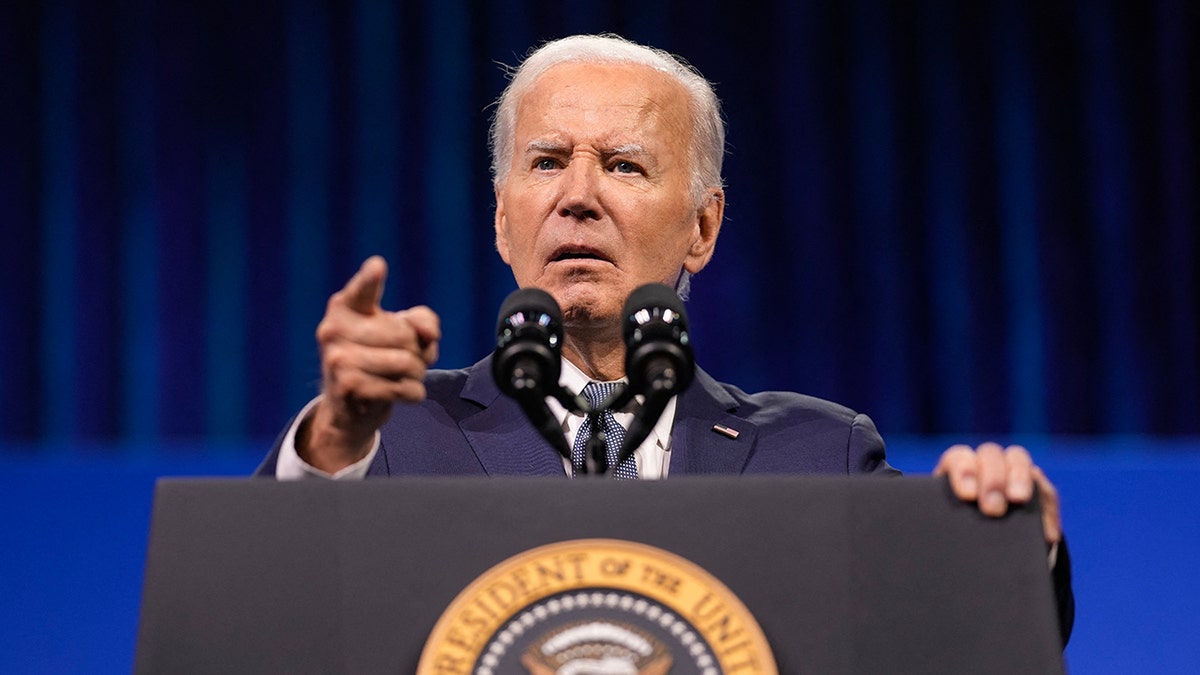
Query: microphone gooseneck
[527,360]
[658,356]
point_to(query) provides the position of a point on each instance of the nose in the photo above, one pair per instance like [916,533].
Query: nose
[580,197]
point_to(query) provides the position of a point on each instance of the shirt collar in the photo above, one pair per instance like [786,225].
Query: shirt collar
[574,380]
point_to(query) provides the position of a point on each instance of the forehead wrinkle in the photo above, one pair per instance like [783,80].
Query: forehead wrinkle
[659,107]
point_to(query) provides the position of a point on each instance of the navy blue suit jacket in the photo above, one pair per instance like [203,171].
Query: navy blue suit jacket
[466,426]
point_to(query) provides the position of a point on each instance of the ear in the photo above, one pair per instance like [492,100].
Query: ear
[708,226]
[501,227]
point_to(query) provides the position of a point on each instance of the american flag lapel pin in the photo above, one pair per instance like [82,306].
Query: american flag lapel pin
[726,431]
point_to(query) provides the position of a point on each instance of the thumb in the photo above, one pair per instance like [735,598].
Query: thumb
[364,291]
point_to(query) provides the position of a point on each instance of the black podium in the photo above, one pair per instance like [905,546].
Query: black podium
[859,575]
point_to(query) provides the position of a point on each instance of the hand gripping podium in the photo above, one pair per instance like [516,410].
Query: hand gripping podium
[842,575]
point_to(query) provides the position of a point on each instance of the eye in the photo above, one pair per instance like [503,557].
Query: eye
[625,166]
[545,164]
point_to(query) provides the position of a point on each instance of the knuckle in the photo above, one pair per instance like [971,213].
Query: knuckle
[335,357]
[411,390]
[990,450]
[1018,453]
[404,364]
[426,319]
[960,454]
[403,328]
[957,459]
[414,366]
[403,359]
[327,331]
[338,299]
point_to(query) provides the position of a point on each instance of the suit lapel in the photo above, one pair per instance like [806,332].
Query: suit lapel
[503,440]
[701,440]
[506,444]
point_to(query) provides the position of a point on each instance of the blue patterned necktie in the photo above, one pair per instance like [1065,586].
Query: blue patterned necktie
[614,434]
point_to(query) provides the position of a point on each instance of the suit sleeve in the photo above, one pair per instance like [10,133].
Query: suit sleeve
[267,468]
[1064,595]
[284,462]
[865,451]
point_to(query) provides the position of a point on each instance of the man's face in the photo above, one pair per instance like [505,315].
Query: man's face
[598,198]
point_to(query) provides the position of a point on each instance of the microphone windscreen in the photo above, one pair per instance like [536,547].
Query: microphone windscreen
[529,302]
[658,351]
[528,343]
[643,302]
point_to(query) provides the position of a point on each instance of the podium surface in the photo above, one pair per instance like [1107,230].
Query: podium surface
[844,575]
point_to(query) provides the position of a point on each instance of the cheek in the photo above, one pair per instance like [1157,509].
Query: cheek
[673,239]
[517,231]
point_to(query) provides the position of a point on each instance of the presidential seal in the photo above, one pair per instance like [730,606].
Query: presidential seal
[596,607]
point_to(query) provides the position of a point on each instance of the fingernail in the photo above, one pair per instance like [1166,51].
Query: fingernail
[994,501]
[1020,491]
[969,484]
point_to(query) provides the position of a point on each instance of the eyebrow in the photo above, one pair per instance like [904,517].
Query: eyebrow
[549,147]
[553,147]
[627,149]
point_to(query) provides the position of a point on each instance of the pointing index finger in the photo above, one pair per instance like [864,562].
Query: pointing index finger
[364,291]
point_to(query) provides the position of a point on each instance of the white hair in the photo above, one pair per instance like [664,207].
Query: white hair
[708,129]
[707,152]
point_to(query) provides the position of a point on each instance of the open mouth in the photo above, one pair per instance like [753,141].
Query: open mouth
[574,253]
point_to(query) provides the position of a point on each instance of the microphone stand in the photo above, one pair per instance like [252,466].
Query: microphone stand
[596,456]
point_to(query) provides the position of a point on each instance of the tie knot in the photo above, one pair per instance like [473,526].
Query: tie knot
[601,434]
[598,392]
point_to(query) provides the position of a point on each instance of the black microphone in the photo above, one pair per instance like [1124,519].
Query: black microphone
[658,356]
[527,360]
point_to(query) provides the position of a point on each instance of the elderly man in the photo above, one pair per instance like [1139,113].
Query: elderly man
[607,170]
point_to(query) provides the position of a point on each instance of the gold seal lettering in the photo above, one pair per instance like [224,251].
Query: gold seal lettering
[451,665]
[664,580]
[613,567]
[501,594]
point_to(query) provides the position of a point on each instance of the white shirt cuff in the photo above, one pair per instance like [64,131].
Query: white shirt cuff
[289,465]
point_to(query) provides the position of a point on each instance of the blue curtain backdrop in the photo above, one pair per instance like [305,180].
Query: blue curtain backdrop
[957,217]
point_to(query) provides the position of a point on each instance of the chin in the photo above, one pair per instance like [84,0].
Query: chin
[589,305]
